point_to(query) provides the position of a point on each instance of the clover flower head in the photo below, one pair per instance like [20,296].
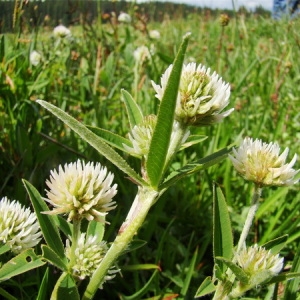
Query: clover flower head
[35,58]
[61,31]
[82,190]
[201,95]
[88,255]
[18,226]
[141,54]
[154,34]
[124,18]
[262,163]
[140,137]
[259,263]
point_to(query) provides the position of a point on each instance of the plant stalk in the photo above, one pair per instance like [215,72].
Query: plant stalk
[145,198]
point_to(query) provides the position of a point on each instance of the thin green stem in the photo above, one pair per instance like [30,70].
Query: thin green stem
[136,216]
[75,237]
[250,217]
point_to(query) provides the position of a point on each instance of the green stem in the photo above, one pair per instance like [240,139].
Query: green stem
[250,217]
[135,218]
[75,237]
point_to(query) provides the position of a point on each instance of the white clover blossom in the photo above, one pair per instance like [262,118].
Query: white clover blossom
[61,31]
[261,163]
[35,58]
[259,263]
[82,190]
[88,255]
[201,96]
[141,54]
[124,18]
[140,137]
[154,34]
[18,226]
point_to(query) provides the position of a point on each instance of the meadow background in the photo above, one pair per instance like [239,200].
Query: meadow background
[84,75]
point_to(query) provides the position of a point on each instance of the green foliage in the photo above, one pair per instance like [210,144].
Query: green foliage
[88,78]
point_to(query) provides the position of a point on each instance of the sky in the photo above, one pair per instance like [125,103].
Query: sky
[250,4]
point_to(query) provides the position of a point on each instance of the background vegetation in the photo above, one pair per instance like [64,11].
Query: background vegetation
[84,76]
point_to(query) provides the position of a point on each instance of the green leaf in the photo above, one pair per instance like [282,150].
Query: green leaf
[238,272]
[95,141]
[43,288]
[23,262]
[143,290]
[139,267]
[293,277]
[193,140]
[206,287]
[187,281]
[195,166]
[96,229]
[53,258]
[135,115]
[65,288]
[111,138]
[162,133]
[292,286]
[222,232]
[64,226]
[4,248]
[47,222]
[277,244]
[6,295]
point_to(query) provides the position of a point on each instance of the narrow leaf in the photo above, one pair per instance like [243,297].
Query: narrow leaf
[47,222]
[111,138]
[64,226]
[23,262]
[143,290]
[4,248]
[293,277]
[96,229]
[43,288]
[135,115]
[206,287]
[95,141]
[222,232]
[277,244]
[196,166]
[193,140]
[238,272]
[139,267]
[65,288]
[53,258]
[187,281]
[6,295]
[292,286]
[163,129]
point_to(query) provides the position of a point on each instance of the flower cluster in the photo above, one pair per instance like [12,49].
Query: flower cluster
[18,226]
[259,263]
[124,18]
[61,31]
[201,96]
[88,255]
[154,34]
[82,191]
[140,137]
[261,163]
[35,58]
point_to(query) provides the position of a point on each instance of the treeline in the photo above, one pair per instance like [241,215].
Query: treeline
[27,15]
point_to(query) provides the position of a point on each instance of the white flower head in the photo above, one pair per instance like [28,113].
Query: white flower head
[141,54]
[201,96]
[88,255]
[18,226]
[35,58]
[259,263]
[82,190]
[154,34]
[140,137]
[124,18]
[262,163]
[61,31]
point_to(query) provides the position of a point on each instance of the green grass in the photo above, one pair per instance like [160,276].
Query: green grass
[260,59]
